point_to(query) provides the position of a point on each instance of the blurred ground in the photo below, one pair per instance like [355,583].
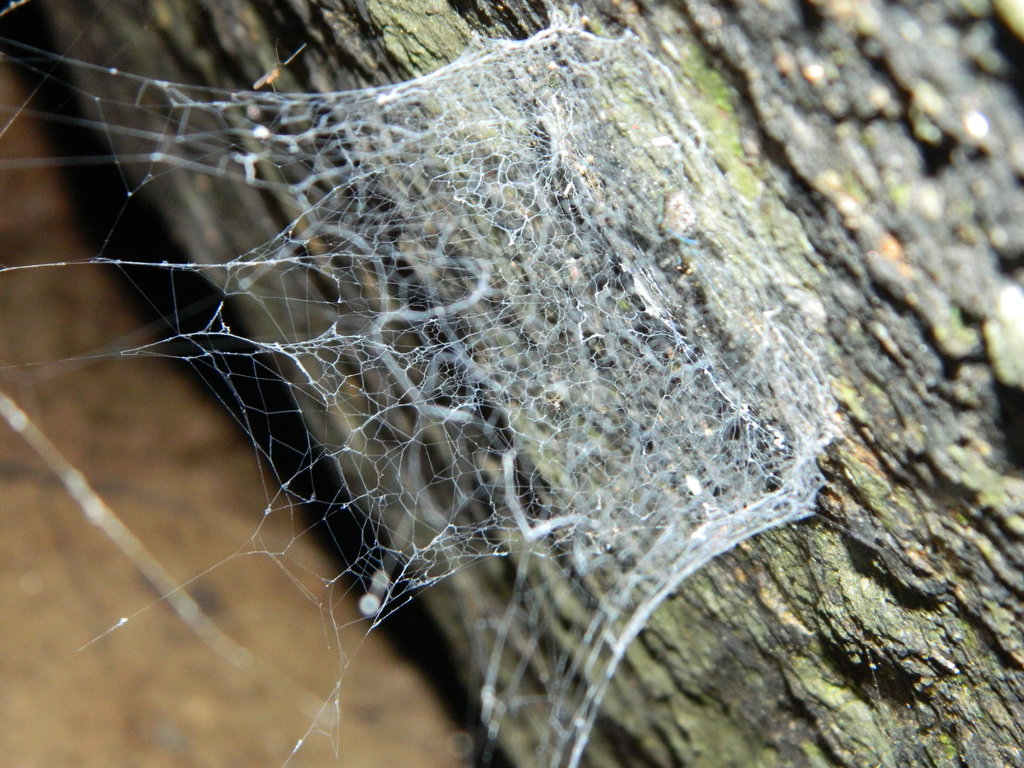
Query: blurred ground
[178,472]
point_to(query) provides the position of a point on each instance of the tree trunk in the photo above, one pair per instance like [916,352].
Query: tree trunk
[885,629]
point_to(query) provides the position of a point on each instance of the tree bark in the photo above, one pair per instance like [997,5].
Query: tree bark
[885,630]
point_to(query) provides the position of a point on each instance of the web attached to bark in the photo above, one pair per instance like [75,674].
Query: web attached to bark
[531,323]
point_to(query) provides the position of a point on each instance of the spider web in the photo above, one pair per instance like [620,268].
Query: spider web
[535,331]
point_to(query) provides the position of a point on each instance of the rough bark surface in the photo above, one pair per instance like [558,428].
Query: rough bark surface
[885,631]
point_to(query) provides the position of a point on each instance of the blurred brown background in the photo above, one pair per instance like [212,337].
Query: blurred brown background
[175,468]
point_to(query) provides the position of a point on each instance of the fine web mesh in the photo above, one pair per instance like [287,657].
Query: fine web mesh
[530,321]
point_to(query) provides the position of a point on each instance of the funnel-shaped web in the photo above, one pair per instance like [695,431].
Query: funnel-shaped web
[529,318]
